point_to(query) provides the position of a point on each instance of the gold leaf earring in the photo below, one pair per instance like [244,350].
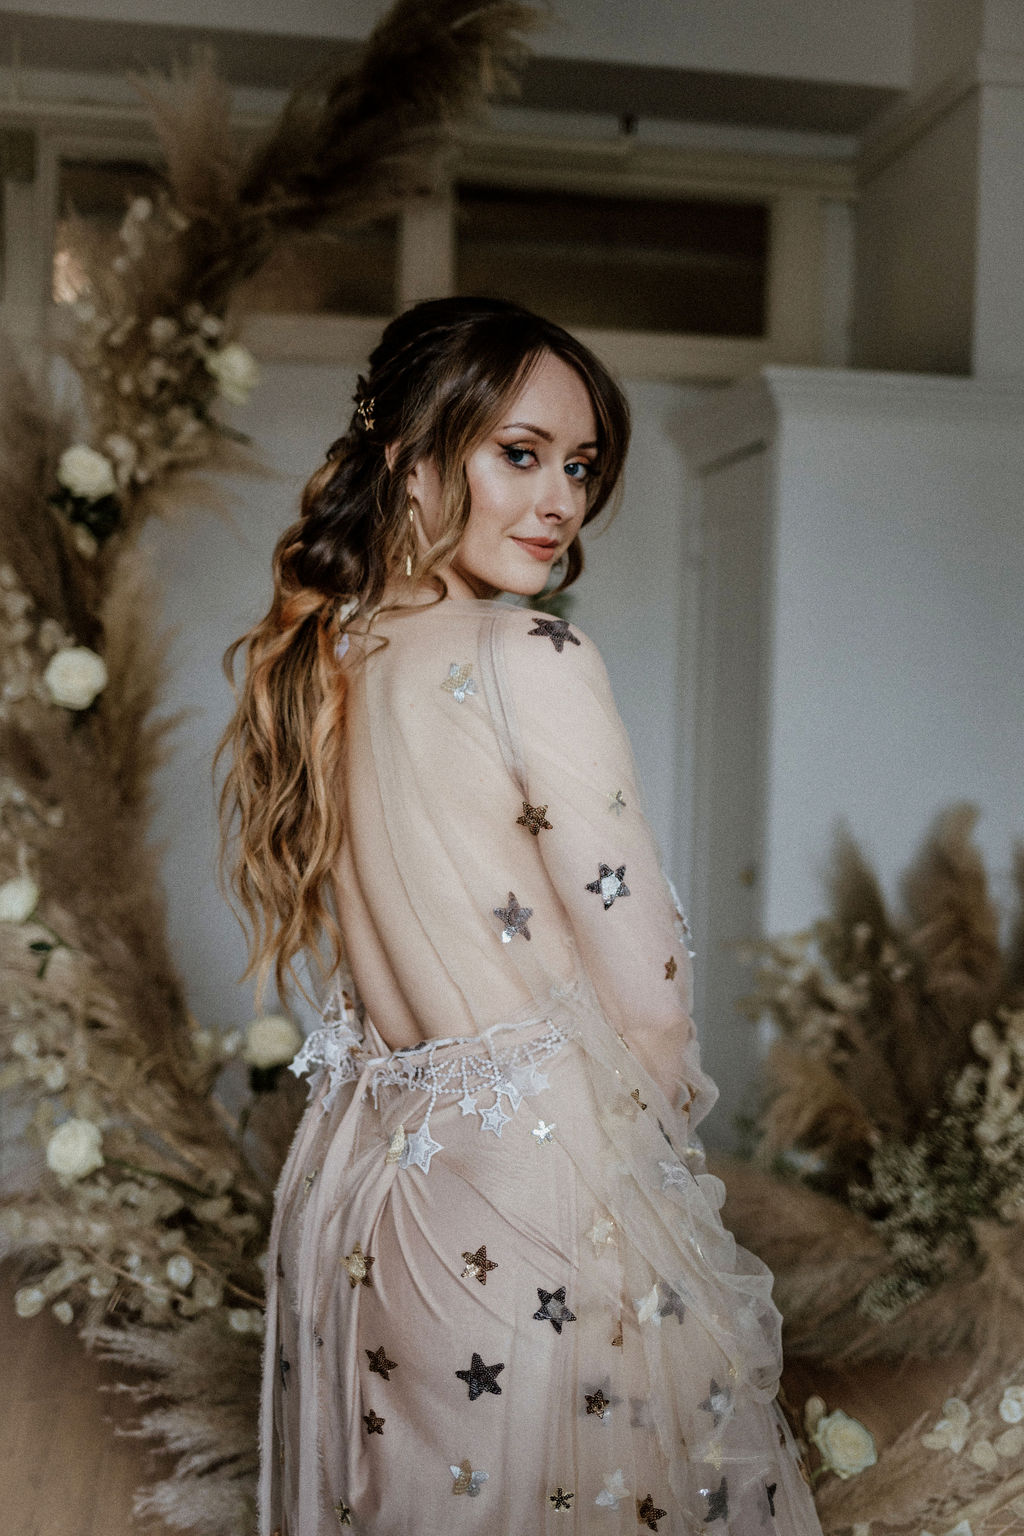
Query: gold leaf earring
[412,537]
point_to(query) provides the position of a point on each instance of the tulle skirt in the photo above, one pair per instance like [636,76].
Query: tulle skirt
[501,1300]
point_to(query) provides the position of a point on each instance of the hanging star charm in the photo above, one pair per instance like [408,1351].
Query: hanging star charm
[494,1118]
[542,1131]
[718,1402]
[467,1103]
[553,1309]
[610,884]
[597,1403]
[718,1502]
[466,1480]
[481,1378]
[616,804]
[478,1265]
[557,631]
[380,1363]
[560,1498]
[515,919]
[460,683]
[284,1366]
[614,1489]
[647,1513]
[534,818]
[343,1512]
[419,1149]
[358,1265]
[671,968]
[374,1423]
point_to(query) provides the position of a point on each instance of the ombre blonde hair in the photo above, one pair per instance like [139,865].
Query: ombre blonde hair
[438,380]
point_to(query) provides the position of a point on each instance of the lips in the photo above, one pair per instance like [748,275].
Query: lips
[540,549]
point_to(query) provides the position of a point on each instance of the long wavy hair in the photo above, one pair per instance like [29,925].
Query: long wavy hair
[438,380]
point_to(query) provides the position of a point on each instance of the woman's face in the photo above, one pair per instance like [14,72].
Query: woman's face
[528,482]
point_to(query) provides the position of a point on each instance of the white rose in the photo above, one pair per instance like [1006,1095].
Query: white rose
[270,1041]
[29,1301]
[86,473]
[18,899]
[1011,1409]
[236,371]
[74,1149]
[74,676]
[846,1446]
[180,1271]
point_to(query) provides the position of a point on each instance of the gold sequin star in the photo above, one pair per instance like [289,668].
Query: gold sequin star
[671,968]
[647,1513]
[374,1424]
[597,1403]
[460,682]
[534,818]
[561,1499]
[396,1145]
[380,1363]
[358,1264]
[617,1341]
[478,1265]
[309,1180]
[343,1513]
[636,1095]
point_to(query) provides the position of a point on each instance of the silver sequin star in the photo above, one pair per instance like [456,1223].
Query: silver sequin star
[515,919]
[494,1118]
[466,1479]
[718,1402]
[542,1131]
[616,802]
[610,884]
[459,682]
[419,1149]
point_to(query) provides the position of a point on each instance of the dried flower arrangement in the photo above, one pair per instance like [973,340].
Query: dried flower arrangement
[887,1188]
[141,1215]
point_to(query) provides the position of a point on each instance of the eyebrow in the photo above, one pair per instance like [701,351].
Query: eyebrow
[528,426]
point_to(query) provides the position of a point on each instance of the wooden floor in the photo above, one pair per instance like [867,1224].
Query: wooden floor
[63,1470]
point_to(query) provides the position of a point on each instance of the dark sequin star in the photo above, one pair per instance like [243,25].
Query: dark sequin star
[560,1498]
[769,1489]
[374,1424]
[672,1303]
[557,631]
[597,1403]
[380,1363]
[284,1366]
[515,919]
[480,1377]
[343,1513]
[553,1309]
[610,884]
[478,1265]
[718,1502]
[534,818]
[718,1402]
[671,968]
[358,1265]
[648,1513]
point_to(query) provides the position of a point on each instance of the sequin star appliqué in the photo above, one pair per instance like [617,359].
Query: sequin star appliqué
[358,1264]
[648,1513]
[478,1265]
[553,1309]
[380,1363]
[480,1377]
[534,818]
[610,884]
[460,682]
[557,631]
[515,919]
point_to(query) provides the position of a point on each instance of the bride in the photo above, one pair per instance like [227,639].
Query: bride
[500,1296]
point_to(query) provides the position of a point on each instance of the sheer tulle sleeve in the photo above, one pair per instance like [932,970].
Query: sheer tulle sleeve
[582,795]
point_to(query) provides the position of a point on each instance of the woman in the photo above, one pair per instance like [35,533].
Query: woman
[500,1298]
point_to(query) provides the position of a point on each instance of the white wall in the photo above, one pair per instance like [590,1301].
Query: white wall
[214,574]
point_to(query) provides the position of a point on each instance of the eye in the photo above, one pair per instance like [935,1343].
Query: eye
[586,469]
[518,457]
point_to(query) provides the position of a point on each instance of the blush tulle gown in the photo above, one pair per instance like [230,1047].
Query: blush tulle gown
[500,1296]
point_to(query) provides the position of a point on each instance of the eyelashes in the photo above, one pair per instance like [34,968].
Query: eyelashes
[519,459]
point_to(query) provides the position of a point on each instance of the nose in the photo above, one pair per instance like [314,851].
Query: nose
[554,496]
